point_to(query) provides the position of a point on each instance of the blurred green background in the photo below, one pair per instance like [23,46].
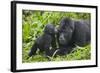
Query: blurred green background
[33,23]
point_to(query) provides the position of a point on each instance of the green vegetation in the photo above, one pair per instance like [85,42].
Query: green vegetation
[33,25]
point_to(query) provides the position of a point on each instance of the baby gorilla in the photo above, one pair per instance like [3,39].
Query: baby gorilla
[44,42]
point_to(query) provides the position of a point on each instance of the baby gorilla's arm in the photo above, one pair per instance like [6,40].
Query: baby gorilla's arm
[33,50]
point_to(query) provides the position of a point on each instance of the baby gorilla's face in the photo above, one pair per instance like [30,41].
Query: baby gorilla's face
[50,29]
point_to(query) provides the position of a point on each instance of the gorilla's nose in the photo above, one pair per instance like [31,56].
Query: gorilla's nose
[61,37]
[56,31]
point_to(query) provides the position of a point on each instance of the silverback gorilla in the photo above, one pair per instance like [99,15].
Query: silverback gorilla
[44,42]
[71,33]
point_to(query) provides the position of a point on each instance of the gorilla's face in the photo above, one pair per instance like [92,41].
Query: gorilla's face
[50,29]
[65,36]
[65,31]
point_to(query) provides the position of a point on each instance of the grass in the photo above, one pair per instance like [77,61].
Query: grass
[79,53]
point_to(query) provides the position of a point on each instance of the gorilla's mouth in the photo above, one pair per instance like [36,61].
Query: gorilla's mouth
[63,42]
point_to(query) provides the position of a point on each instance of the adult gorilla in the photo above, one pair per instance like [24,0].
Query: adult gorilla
[71,33]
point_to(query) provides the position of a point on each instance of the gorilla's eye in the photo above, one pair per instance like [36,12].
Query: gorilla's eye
[69,29]
[51,31]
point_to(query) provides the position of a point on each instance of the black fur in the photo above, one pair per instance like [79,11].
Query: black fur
[72,33]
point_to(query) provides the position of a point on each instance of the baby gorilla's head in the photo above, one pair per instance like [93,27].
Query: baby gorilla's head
[50,29]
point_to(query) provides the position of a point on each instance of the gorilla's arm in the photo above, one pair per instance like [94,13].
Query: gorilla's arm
[33,50]
[53,42]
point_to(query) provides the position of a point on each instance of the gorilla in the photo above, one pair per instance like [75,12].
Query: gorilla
[71,33]
[44,42]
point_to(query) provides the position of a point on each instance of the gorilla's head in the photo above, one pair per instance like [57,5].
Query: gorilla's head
[65,30]
[50,29]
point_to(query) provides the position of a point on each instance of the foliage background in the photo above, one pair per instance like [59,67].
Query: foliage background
[33,25]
